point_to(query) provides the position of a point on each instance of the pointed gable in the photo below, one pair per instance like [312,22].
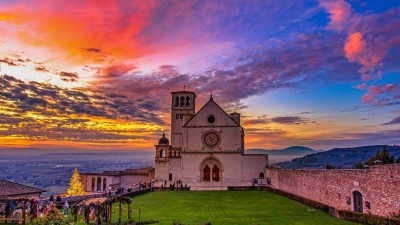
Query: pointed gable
[204,117]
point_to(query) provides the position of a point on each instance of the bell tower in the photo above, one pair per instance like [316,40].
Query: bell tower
[183,103]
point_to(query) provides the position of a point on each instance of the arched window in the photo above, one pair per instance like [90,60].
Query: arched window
[93,183]
[162,153]
[187,101]
[98,184]
[215,173]
[261,175]
[182,101]
[104,184]
[176,101]
[170,176]
[206,173]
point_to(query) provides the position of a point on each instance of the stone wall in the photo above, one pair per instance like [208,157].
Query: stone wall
[379,186]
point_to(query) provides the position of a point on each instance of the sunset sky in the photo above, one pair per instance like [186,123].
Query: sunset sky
[98,74]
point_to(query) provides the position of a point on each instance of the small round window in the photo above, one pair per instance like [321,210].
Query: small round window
[211,119]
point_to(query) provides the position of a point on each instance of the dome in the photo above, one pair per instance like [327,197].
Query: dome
[163,140]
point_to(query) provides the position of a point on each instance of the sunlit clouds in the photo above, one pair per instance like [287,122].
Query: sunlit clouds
[90,74]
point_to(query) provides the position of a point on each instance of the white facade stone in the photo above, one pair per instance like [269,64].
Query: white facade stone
[207,147]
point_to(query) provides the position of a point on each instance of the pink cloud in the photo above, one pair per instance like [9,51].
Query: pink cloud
[367,98]
[389,87]
[361,86]
[340,12]
[375,90]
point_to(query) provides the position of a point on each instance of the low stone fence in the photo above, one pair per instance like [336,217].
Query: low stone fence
[343,214]
[246,188]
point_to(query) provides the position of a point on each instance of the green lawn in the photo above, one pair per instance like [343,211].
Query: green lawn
[222,207]
[227,207]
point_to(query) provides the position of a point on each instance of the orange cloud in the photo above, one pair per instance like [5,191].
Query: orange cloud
[108,26]
[354,47]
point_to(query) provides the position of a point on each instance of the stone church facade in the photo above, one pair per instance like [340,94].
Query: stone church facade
[206,149]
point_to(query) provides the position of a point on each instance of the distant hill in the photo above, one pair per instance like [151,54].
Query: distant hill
[338,157]
[286,154]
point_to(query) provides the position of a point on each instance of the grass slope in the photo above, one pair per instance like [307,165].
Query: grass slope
[227,207]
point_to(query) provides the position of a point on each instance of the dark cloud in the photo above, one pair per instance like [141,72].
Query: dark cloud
[116,70]
[68,77]
[9,61]
[259,120]
[393,121]
[42,68]
[45,98]
[14,60]
[93,50]
[291,120]
[301,63]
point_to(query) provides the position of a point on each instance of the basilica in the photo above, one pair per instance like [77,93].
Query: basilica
[206,151]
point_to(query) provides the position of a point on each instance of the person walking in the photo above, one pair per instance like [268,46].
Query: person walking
[65,207]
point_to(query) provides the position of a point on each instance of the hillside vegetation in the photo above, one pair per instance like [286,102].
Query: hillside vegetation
[338,157]
[281,155]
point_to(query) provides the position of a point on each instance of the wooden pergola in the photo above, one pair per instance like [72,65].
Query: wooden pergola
[15,201]
[102,206]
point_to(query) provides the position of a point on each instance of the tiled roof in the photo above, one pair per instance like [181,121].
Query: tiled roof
[8,188]
[140,171]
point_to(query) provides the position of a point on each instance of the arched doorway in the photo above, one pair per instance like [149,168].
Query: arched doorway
[211,169]
[206,173]
[170,176]
[261,175]
[215,173]
[357,202]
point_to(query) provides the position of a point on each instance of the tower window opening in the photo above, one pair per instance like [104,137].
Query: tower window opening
[187,100]
[176,116]
[162,153]
[177,101]
[182,101]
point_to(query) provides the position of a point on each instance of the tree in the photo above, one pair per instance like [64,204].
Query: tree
[359,165]
[398,160]
[75,184]
[383,156]
[329,166]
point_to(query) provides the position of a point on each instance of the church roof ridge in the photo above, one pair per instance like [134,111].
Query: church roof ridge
[211,100]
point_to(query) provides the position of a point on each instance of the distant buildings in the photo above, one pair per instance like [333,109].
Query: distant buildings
[112,180]
[14,190]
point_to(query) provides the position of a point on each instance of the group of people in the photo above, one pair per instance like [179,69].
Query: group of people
[177,184]
[34,208]
[11,210]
